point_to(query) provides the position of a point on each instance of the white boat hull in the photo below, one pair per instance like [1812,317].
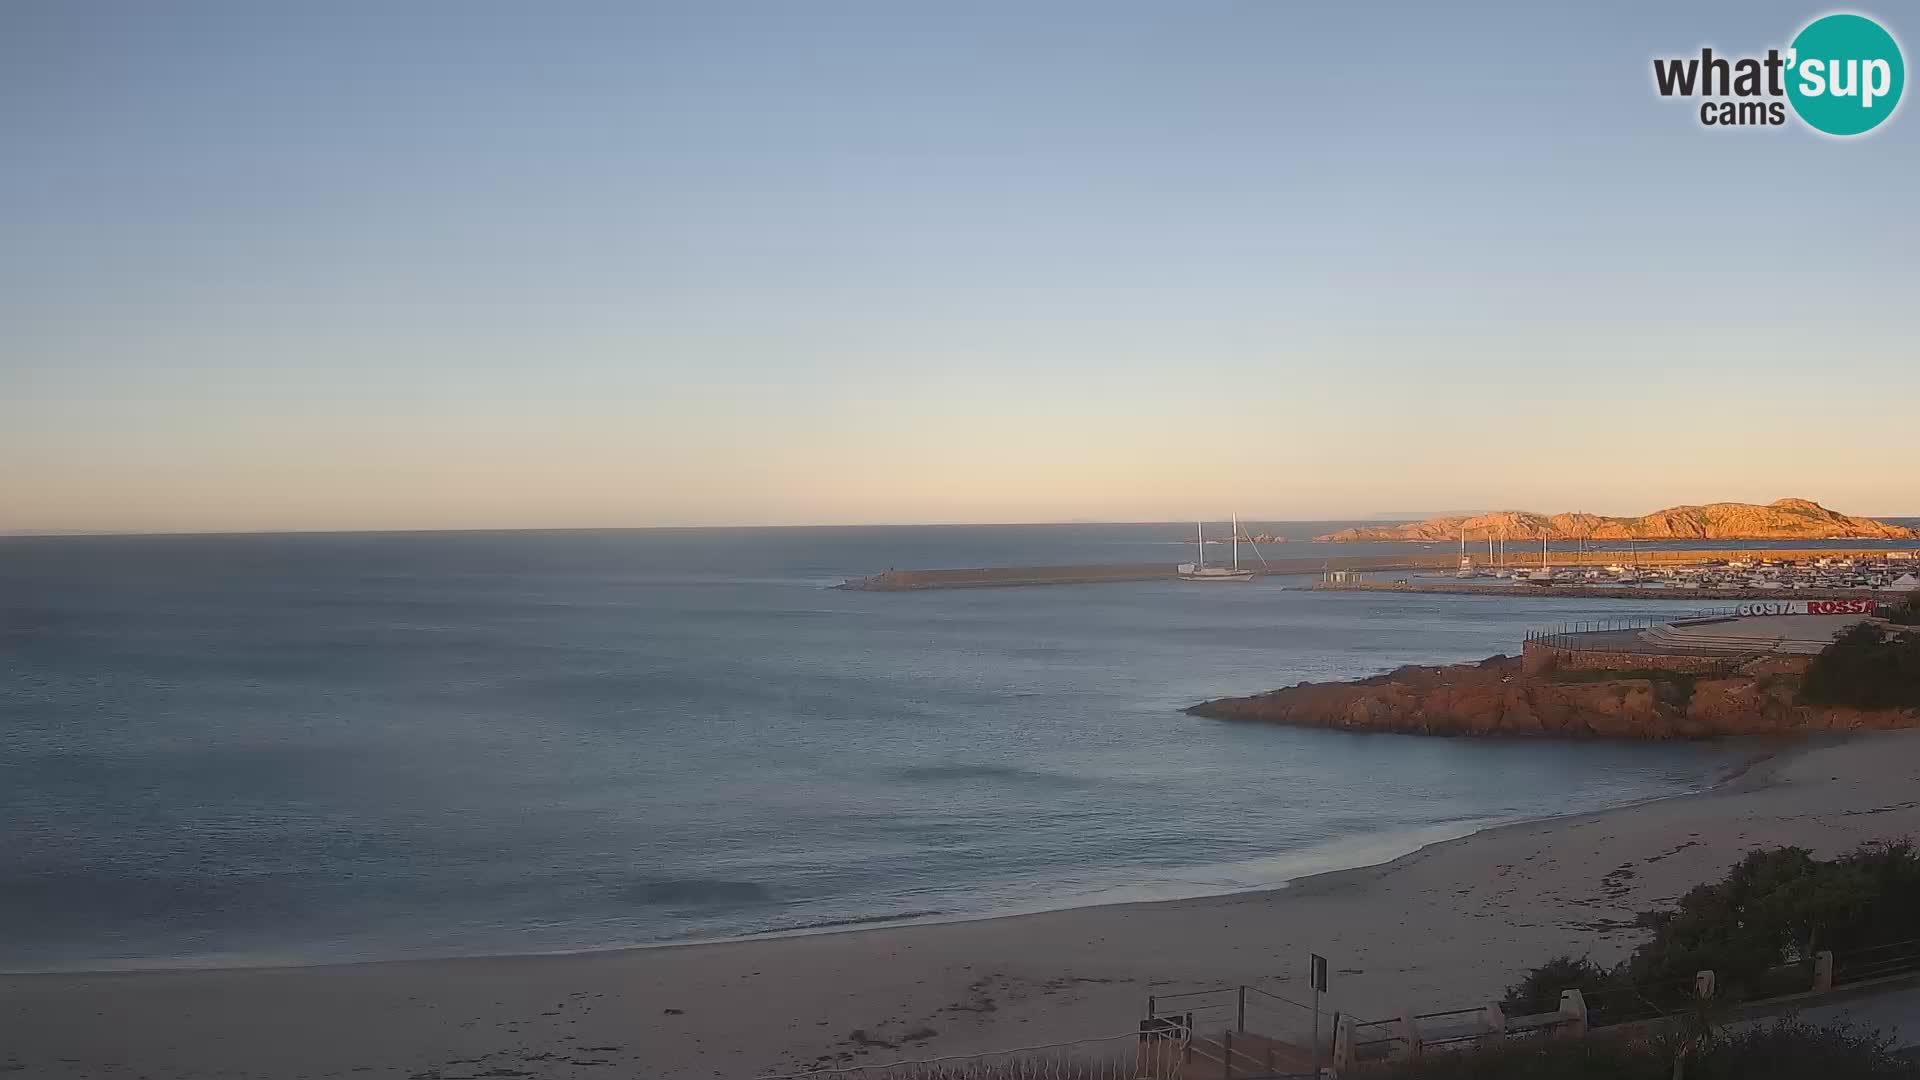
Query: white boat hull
[1216,574]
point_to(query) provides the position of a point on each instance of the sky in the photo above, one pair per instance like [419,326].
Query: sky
[434,265]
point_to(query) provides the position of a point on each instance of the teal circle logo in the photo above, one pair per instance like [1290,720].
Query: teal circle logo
[1845,74]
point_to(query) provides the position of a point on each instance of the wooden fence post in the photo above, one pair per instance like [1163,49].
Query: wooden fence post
[1410,1031]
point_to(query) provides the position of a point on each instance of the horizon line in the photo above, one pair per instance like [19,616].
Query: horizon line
[54,534]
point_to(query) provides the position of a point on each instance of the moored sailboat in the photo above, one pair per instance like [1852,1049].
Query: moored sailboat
[1198,570]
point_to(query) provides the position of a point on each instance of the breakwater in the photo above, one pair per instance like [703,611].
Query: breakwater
[1095,573]
[1003,576]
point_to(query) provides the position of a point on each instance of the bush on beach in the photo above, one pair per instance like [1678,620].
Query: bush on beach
[1540,991]
[1774,907]
[1867,668]
[1784,1050]
[1907,612]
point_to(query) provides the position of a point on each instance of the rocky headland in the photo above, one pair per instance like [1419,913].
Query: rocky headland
[1786,519]
[1497,697]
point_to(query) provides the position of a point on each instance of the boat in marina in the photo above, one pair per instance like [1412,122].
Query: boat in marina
[1466,561]
[1545,576]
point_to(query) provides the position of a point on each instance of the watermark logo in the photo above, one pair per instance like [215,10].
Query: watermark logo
[1849,74]
[1842,75]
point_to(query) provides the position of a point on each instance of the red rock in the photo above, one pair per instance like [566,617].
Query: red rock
[1497,697]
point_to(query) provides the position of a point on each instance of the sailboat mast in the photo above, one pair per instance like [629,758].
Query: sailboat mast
[1236,541]
[1199,547]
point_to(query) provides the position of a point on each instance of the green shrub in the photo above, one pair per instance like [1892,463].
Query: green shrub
[1774,907]
[1540,991]
[1906,612]
[1866,668]
[1792,1050]
[1786,1050]
[1673,688]
[1889,873]
[1538,1059]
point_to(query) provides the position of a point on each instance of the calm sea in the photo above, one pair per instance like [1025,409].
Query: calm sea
[306,748]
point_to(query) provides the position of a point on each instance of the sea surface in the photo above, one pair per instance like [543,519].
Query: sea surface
[323,747]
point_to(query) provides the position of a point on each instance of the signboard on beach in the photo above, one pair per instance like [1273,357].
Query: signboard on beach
[1806,607]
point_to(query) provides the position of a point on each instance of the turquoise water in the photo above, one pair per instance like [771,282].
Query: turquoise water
[327,747]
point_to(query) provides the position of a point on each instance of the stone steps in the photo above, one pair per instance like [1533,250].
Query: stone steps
[1666,636]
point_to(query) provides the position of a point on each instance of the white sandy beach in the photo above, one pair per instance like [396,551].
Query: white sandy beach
[1449,925]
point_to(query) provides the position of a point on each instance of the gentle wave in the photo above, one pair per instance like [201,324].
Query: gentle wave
[696,892]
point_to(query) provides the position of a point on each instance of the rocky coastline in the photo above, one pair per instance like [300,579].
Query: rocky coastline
[1496,697]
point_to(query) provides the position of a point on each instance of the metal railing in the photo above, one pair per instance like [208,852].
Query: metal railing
[1634,1003]
[1245,1008]
[1573,636]
[1178,1039]
[1468,1026]
[1232,1059]
[1876,962]
[1246,1031]
[1375,1040]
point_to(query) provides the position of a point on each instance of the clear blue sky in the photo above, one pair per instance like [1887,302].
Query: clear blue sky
[460,265]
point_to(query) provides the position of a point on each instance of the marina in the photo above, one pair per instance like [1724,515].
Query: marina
[1639,574]
[1595,591]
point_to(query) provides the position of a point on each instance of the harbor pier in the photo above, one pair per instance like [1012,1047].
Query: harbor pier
[1095,573]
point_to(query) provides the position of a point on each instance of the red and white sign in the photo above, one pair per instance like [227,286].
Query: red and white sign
[1807,607]
[1839,607]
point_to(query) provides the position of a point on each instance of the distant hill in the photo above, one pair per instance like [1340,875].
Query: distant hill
[1787,519]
